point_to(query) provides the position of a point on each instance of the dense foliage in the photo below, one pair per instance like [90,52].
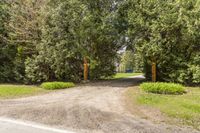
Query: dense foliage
[167,33]
[7,49]
[24,29]
[46,40]
[131,61]
[71,31]
[58,55]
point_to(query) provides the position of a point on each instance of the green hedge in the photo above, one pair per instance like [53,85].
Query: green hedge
[57,85]
[163,88]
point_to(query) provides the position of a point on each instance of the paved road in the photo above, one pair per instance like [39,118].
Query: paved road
[12,126]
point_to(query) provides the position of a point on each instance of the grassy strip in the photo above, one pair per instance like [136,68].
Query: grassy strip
[184,108]
[14,91]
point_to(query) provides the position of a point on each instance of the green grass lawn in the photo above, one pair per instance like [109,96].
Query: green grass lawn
[185,108]
[125,75]
[15,91]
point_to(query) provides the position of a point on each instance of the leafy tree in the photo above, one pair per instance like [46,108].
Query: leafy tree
[100,37]
[58,56]
[24,31]
[74,30]
[48,39]
[167,32]
[7,50]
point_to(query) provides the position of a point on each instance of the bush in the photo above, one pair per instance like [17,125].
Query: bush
[57,85]
[163,88]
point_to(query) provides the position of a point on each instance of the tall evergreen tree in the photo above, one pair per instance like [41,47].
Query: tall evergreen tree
[24,31]
[74,30]
[100,37]
[167,32]
[58,56]
[7,50]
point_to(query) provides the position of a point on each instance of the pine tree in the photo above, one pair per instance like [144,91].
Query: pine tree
[167,32]
[7,50]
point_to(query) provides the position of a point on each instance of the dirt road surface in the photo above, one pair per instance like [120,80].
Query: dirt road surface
[91,108]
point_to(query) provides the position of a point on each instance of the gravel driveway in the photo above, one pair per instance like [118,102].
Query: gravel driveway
[91,108]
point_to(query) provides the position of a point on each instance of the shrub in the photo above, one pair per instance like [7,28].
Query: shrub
[163,88]
[57,85]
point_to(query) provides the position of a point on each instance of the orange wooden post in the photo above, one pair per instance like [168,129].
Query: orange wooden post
[153,72]
[85,69]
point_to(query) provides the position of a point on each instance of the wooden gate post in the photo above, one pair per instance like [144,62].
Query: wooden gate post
[85,70]
[153,72]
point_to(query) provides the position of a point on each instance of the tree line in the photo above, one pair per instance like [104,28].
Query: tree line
[46,40]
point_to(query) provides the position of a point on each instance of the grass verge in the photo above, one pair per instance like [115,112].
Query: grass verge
[15,91]
[179,109]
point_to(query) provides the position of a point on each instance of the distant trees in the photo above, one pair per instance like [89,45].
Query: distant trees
[131,61]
